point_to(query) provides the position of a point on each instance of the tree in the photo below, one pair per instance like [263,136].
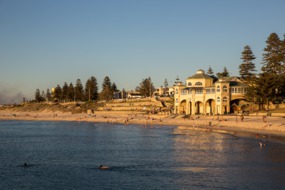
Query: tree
[38,96]
[225,73]
[79,92]
[283,51]
[146,87]
[247,67]
[91,89]
[282,76]
[165,83]
[57,93]
[114,87]
[48,95]
[107,91]
[272,58]
[210,71]
[262,89]
[70,92]
[64,96]
[165,87]
[94,87]
[273,61]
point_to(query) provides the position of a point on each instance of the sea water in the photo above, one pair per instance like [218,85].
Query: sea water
[67,155]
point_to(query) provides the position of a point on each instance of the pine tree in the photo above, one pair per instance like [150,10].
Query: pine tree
[57,93]
[114,87]
[79,92]
[283,54]
[70,92]
[107,92]
[165,83]
[210,71]
[38,97]
[94,87]
[88,90]
[262,89]
[165,89]
[247,67]
[272,58]
[225,73]
[48,95]
[64,96]
[91,89]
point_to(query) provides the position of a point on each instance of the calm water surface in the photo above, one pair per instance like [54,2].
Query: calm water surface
[67,155]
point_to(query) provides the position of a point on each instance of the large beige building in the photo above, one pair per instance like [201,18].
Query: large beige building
[203,95]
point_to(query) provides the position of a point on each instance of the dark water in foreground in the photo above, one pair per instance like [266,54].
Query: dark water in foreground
[67,155]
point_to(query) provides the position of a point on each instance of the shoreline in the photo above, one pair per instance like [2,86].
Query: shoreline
[253,124]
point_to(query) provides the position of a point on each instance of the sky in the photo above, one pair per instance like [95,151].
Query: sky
[46,43]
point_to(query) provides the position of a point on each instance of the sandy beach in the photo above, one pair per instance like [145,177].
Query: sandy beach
[256,124]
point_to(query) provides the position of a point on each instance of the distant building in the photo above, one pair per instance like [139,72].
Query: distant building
[120,95]
[134,94]
[203,95]
[162,91]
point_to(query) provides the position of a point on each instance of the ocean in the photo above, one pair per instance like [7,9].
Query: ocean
[67,155]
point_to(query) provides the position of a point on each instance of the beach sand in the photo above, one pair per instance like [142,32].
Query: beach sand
[255,124]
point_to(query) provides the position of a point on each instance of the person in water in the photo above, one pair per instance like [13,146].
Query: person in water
[103,167]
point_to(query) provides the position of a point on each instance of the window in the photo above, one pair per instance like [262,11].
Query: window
[199,91]
[189,84]
[198,84]
[218,99]
[210,91]
[225,88]
[218,88]
[176,91]
[176,100]
[184,92]
[225,99]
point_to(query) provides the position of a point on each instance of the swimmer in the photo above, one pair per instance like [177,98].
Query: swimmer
[262,144]
[103,167]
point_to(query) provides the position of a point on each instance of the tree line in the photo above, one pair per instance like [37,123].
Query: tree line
[70,93]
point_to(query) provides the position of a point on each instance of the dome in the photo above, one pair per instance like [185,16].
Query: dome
[200,74]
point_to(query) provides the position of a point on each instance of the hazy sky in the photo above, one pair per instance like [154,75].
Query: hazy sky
[48,42]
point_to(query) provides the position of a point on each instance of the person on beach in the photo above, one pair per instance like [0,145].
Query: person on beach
[264,119]
[241,117]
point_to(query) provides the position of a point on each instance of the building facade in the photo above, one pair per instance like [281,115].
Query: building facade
[203,94]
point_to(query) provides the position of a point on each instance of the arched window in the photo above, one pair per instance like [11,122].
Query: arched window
[218,99]
[225,99]
[225,88]
[218,88]
[189,84]
[198,84]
